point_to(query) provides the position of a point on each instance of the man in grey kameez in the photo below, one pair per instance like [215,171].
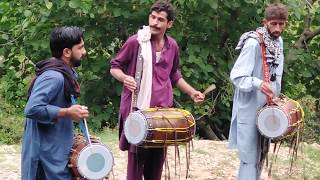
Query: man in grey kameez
[48,130]
[251,90]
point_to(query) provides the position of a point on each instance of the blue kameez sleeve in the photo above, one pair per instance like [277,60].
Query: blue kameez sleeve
[46,88]
[241,73]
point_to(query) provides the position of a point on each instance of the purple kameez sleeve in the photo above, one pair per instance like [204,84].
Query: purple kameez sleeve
[175,74]
[124,56]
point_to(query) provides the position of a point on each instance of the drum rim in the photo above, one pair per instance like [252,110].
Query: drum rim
[107,168]
[126,131]
[258,124]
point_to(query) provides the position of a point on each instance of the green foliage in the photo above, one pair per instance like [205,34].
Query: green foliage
[10,124]
[312,119]
[206,31]
[108,136]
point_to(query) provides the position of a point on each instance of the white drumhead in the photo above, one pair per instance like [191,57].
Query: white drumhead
[135,128]
[95,161]
[272,122]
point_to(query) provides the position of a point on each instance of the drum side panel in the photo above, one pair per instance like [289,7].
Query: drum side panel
[272,122]
[135,128]
[169,126]
[78,145]
[95,161]
[293,112]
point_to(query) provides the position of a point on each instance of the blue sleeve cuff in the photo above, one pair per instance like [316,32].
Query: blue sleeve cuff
[52,113]
[256,82]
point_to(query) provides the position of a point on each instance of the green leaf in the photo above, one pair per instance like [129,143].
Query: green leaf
[5,36]
[27,13]
[117,12]
[48,4]
[213,4]
[21,57]
[306,74]
[74,4]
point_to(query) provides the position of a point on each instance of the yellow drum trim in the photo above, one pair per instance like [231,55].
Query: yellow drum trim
[168,141]
[185,112]
[166,117]
[178,117]
[170,129]
[299,106]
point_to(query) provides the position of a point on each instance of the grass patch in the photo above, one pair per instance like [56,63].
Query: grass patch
[108,136]
[11,128]
[307,166]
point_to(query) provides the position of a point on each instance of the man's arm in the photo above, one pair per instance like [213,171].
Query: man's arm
[45,91]
[195,95]
[128,81]
[75,112]
[241,73]
[123,58]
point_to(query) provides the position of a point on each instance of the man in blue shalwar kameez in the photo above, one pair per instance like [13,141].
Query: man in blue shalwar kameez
[251,89]
[48,131]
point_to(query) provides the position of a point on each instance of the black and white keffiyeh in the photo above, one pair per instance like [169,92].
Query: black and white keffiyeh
[273,48]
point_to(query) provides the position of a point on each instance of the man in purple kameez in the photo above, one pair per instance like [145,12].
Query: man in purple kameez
[165,73]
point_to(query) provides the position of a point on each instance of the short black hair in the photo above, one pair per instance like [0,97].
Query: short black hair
[64,37]
[166,6]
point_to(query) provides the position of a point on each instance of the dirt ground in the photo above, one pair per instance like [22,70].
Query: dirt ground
[209,160]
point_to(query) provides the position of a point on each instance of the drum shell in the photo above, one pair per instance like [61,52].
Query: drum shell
[292,111]
[164,129]
[78,145]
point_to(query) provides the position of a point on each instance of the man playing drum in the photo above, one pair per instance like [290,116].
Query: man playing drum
[252,90]
[48,130]
[160,71]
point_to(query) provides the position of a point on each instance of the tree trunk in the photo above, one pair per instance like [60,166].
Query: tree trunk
[206,131]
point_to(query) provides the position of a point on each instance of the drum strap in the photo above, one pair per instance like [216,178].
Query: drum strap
[137,78]
[265,67]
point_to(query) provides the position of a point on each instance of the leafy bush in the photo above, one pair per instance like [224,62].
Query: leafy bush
[11,124]
[206,31]
[312,119]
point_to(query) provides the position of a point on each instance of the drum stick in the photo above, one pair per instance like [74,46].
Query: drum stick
[209,89]
[86,126]
[87,131]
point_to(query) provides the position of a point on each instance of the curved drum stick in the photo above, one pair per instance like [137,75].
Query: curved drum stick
[209,89]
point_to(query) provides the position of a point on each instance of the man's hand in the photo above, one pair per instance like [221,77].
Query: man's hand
[197,96]
[130,83]
[77,112]
[266,89]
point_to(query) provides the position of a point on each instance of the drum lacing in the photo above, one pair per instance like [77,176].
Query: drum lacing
[177,153]
[296,138]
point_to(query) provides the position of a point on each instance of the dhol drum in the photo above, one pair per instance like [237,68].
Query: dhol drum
[158,127]
[281,119]
[90,161]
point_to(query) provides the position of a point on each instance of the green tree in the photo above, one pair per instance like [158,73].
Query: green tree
[206,31]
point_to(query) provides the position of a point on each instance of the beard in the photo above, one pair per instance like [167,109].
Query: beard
[275,34]
[76,62]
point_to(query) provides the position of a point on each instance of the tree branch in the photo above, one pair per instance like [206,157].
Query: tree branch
[307,35]
[9,42]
